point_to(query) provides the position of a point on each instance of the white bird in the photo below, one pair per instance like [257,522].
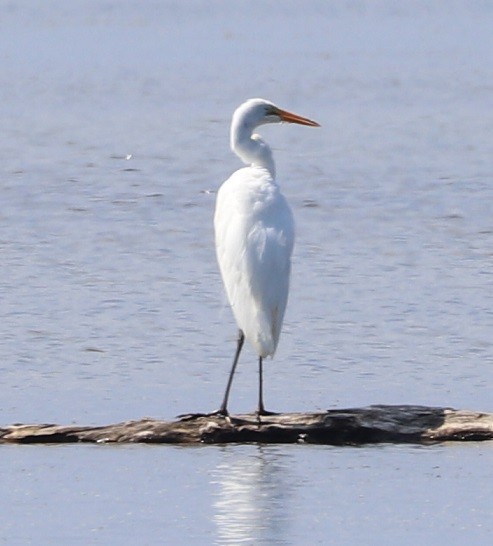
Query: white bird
[254,231]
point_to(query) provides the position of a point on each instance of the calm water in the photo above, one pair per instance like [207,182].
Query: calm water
[115,119]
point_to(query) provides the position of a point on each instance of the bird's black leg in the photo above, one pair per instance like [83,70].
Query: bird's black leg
[261,410]
[223,410]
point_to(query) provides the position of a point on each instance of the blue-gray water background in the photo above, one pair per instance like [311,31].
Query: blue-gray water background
[114,138]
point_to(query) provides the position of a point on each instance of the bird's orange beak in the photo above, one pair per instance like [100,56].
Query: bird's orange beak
[289,117]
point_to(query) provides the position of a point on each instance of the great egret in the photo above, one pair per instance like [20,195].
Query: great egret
[254,232]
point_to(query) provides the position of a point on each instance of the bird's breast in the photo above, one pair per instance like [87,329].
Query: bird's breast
[251,190]
[254,231]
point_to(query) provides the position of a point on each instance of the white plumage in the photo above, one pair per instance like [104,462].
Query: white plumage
[254,240]
[254,231]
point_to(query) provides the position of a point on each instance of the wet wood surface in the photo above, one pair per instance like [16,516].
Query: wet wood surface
[356,426]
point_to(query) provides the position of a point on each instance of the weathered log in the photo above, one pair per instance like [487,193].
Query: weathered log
[373,424]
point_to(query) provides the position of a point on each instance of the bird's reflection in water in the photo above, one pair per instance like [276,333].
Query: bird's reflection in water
[253,499]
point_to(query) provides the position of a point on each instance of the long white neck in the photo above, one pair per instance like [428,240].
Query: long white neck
[250,148]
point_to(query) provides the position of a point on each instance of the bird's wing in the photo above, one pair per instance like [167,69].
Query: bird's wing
[254,240]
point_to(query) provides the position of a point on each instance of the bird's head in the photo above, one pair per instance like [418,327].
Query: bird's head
[255,112]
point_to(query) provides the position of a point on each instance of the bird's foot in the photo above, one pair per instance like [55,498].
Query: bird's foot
[191,416]
[262,412]
[229,418]
[224,414]
[221,412]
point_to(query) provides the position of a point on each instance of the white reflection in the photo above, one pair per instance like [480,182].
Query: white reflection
[253,499]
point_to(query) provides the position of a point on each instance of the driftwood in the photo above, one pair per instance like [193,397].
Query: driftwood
[373,424]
